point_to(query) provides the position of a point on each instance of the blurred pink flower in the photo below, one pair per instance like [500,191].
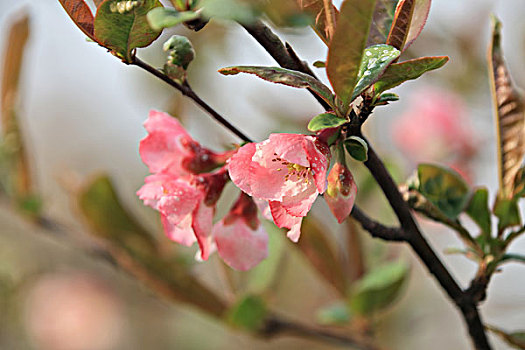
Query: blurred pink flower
[434,128]
[241,241]
[288,170]
[74,311]
[341,191]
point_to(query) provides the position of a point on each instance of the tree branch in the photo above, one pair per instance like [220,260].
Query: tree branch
[187,91]
[283,55]
[277,326]
[376,229]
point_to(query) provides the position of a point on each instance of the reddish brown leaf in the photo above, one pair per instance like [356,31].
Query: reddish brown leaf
[80,13]
[510,116]
[19,170]
[316,8]
[98,2]
[419,19]
[401,24]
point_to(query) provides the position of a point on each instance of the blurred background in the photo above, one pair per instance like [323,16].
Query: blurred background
[81,112]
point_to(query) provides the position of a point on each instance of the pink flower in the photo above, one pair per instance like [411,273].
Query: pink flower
[186,205]
[170,149]
[241,241]
[434,128]
[288,170]
[341,192]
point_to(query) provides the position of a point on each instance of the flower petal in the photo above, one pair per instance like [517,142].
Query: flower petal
[252,178]
[239,246]
[202,226]
[181,232]
[284,219]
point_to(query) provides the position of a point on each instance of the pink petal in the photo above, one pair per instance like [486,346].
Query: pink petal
[264,208]
[283,219]
[181,232]
[318,156]
[163,148]
[163,122]
[288,147]
[202,226]
[239,246]
[300,203]
[254,179]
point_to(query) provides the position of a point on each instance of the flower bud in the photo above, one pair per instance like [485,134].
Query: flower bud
[341,191]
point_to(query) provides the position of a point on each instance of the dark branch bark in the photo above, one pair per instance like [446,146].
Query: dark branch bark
[283,55]
[376,229]
[187,91]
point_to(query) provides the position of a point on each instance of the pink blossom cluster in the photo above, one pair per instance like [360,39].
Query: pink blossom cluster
[435,127]
[283,174]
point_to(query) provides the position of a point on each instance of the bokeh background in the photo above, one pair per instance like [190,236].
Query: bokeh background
[81,112]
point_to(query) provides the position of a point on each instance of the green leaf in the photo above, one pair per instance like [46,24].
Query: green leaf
[507,212]
[31,205]
[398,73]
[336,314]
[103,212]
[357,148]
[161,17]
[236,10]
[325,121]
[248,313]
[510,116]
[346,48]
[375,61]
[319,64]
[378,288]
[123,31]
[382,21]
[512,257]
[181,51]
[444,188]
[284,76]
[478,210]
[385,98]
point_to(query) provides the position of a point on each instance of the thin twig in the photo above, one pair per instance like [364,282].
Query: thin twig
[376,229]
[187,91]
[277,326]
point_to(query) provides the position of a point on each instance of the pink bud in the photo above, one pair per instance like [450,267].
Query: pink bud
[341,191]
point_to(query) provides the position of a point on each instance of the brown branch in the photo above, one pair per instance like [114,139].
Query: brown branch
[277,326]
[376,229]
[187,91]
[282,54]
[413,236]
